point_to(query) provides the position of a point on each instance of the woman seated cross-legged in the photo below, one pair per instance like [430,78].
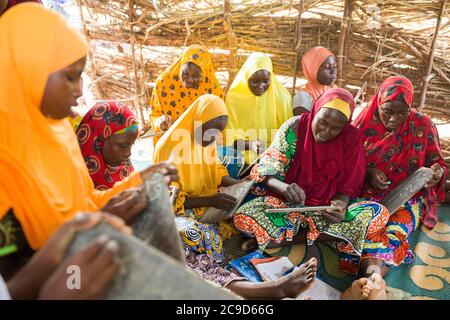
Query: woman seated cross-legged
[191,144]
[398,140]
[316,159]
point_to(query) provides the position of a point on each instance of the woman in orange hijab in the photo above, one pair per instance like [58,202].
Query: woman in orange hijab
[44,180]
[319,67]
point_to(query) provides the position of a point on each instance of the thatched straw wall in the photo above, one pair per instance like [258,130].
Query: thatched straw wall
[385,38]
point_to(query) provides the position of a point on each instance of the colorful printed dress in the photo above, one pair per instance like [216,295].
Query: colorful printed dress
[202,238]
[170,97]
[398,154]
[362,224]
[200,175]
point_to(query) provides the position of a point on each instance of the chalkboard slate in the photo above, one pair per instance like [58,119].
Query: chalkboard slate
[406,189]
[147,273]
[153,260]
[239,191]
[156,225]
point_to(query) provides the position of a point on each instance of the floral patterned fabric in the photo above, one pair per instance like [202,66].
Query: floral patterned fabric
[102,121]
[392,246]
[206,266]
[363,221]
[414,144]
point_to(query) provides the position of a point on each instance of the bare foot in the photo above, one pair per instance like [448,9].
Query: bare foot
[375,289]
[355,291]
[295,283]
[372,288]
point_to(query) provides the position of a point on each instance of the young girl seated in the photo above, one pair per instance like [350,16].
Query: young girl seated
[105,135]
[316,159]
[44,180]
[258,104]
[190,144]
[399,140]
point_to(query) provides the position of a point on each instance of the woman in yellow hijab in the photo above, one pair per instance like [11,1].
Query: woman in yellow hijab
[191,145]
[258,104]
[191,76]
[44,180]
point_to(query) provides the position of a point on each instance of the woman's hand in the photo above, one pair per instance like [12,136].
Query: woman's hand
[293,193]
[53,252]
[438,172]
[377,179]
[337,215]
[97,264]
[168,170]
[25,284]
[128,203]
[222,201]
[163,123]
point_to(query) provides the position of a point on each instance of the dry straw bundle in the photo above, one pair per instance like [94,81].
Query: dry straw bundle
[134,40]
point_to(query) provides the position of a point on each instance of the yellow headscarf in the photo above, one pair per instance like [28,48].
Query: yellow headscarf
[171,97]
[247,111]
[43,176]
[199,169]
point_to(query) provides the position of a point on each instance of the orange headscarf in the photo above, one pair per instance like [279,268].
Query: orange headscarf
[311,62]
[44,179]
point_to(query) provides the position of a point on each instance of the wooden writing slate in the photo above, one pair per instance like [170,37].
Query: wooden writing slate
[407,189]
[148,273]
[156,225]
[239,191]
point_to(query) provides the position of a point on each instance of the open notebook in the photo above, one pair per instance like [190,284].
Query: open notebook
[258,268]
[321,291]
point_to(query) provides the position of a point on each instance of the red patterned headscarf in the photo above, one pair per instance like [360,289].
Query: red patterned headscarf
[100,123]
[398,154]
[324,169]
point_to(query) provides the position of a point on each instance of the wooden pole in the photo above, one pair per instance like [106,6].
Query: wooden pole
[232,44]
[428,76]
[91,53]
[297,43]
[346,21]
[349,32]
[136,102]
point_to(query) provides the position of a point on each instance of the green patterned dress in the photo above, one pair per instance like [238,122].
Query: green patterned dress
[363,223]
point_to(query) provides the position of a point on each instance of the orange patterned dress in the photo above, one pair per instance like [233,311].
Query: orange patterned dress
[170,96]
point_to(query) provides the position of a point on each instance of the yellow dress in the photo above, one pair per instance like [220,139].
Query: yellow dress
[200,174]
[256,117]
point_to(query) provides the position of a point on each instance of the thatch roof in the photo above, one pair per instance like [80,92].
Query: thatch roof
[385,38]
